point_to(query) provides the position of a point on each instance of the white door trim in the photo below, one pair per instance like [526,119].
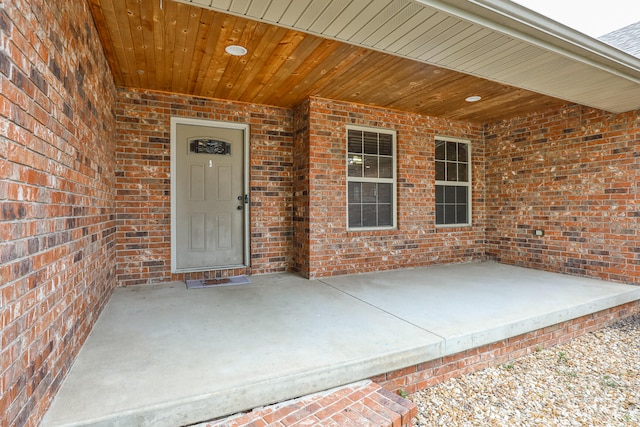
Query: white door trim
[215,124]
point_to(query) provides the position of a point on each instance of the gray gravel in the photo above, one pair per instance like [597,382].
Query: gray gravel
[594,380]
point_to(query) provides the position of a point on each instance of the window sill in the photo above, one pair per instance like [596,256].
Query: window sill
[452,227]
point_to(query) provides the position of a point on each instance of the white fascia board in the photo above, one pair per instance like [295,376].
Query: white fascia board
[524,24]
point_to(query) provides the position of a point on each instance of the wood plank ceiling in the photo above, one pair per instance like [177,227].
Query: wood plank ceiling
[180,49]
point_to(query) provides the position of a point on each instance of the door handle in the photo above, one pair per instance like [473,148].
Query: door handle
[239,207]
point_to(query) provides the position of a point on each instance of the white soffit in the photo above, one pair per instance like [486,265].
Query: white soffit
[494,39]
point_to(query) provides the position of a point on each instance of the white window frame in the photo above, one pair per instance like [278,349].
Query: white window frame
[468,184]
[392,181]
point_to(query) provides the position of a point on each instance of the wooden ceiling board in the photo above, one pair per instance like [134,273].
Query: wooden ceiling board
[204,49]
[108,44]
[180,49]
[359,19]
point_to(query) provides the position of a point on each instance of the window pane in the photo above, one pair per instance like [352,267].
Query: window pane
[354,141]
[463,172]
[440,214]
[451,151]
[440,150]
[369,216]
[449,214]
[386,144]
[370,155]
[462,153]
[384,193]
[386,167]
[452,173]
[355,165]
[439,194]
[440,175]
[370,143]
[384,215]
[369,192]
[449,194]
[371,166]
[461,214]
[461,195]
[355,192]
[355,215]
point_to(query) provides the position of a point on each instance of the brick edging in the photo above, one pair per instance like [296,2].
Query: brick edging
[364,403]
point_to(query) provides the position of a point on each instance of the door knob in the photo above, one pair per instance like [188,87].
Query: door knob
[239,207]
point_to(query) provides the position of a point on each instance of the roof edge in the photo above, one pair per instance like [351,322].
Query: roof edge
[524,24]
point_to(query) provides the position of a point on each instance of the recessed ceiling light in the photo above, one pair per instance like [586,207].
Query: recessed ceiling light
[235,50]
[474,98]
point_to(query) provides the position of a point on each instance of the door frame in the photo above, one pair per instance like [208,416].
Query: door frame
[175,121]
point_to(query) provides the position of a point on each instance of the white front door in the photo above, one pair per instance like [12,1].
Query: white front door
[209,212]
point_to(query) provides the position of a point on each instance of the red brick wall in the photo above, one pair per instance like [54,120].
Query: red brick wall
[301,188]
[574,173]
[334,250]
[143,183]
[57,209]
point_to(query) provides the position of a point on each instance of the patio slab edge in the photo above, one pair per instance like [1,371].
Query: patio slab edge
[458,343]
[200,408]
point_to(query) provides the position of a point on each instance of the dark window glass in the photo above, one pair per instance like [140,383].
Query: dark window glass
[369,192]
[369,215]
[385,215]
[355,192]
[355,141]
[449,194]
[371,166]
[461,195]
[452,171]
[462,153]
[461,214]
[370,143]
[385,165]
[355,165]
[385,193]
[440,171]
[452,153]
[385,144]
[441,150]
[439,214]
[450,214]
[355,215]
[440,194]
[463,175]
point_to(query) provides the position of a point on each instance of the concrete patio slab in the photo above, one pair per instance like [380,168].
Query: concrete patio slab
[475,304]
[163,355]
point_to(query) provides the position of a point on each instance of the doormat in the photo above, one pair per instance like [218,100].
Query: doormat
[220,281]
